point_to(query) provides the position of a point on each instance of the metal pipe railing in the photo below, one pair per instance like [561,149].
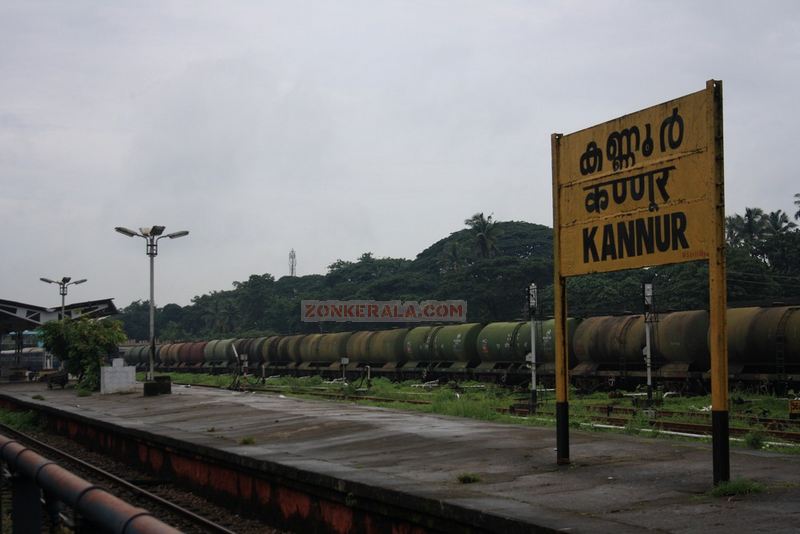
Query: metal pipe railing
[32,474]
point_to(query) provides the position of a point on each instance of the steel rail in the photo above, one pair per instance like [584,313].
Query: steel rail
[696,428]
[172,507]
[775,422]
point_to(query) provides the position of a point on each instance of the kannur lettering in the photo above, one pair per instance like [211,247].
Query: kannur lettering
[637,237]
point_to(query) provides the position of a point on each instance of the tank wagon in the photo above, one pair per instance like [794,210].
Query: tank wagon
[763,347]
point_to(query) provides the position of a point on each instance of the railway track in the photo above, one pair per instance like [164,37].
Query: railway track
[769,423]
[773,428]
[698,428]
[162,499]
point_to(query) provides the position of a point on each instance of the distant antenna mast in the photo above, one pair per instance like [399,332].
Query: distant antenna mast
[292,263]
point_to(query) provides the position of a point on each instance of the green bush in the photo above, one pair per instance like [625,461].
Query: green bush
[83,346]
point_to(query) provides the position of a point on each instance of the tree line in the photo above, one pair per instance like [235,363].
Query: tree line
[489,264]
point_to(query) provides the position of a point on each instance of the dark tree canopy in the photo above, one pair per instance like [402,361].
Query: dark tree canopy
[489,264]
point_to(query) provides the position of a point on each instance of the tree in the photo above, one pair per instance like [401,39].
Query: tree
[783,255]
[777,223]
[755,225]
[797,205]
[749,231]
[83,345]
[452,258]
[485,234]
[734,230]
[136,319]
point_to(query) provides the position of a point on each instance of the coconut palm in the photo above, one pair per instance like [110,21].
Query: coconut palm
[777,222]
[734,229]
[755,225]
[797,205]
[485,234]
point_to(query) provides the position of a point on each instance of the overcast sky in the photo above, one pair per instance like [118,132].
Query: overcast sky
[340,127]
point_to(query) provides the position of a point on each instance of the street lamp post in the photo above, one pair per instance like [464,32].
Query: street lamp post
[151,235]
[62,288]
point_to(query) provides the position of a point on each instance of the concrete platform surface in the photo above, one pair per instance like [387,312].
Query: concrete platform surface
[616,483]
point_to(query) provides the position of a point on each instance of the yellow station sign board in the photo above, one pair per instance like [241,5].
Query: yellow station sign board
[638,190]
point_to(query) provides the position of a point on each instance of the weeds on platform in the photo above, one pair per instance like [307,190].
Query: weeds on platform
[737,487]
[468,478]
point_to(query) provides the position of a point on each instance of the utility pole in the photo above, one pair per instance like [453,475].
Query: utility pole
[649,318]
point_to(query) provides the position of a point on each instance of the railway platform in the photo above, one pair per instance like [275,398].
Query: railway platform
[363,469]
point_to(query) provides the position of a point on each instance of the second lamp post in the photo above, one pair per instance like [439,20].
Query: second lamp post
[62,288]
[151,235]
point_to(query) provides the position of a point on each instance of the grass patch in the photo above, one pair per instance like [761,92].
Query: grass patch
[754,439]
[197,379]
[472,405]
[22,421]
[247,440]
[468,478]
[37,397]
[737,487]
[84,393]
[636,423]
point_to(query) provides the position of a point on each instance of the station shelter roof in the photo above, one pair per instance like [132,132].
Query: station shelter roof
[18,316]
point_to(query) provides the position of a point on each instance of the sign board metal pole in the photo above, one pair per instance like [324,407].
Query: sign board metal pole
[560,320]
[642,190]
[718,339]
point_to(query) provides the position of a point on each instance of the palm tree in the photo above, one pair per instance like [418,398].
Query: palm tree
[797,205]
[734,229]
[755,225]
[777,222]
[485,233]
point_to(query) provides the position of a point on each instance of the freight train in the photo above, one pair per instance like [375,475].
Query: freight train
[763,349]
